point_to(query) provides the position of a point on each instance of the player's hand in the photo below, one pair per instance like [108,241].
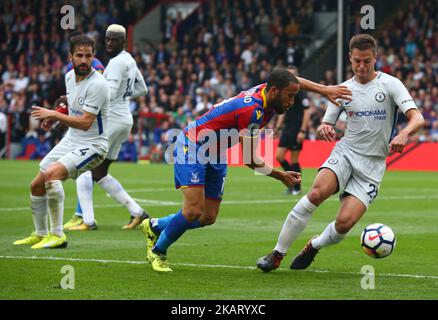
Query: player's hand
[332,93]
[398,143]
[326,132]
[42,113]
[300,137]
[291,178]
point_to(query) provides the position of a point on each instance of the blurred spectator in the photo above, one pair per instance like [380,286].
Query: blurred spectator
[42,146]
[233,46]
[128,151]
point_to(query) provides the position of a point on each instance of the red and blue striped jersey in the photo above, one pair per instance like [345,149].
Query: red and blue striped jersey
[247,110]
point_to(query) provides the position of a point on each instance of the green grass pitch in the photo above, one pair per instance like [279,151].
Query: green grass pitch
[218,262]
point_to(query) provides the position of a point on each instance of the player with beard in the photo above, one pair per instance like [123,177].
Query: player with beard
[84,146]
[125,81]
[202,179]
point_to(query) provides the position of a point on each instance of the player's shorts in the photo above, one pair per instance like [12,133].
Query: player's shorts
[117,134]
[76,159]
[357,175]
[192,172]
[288,139]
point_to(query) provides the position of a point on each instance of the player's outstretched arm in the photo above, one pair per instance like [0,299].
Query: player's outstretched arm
[415,123]
[82,123]
[332,93]
[249,147]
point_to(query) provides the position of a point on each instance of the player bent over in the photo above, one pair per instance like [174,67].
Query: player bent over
[83,147]
[202,182]
[357,162]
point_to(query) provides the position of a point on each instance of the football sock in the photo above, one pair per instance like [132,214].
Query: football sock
[78,211]
[55,199]
[286,165]
[116,191]
[176,227]
[84,189]
[39,214]
[297,168]
[329,237]
[294,224]
[159,224]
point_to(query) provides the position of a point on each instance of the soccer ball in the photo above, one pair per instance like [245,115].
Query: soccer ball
[377,240]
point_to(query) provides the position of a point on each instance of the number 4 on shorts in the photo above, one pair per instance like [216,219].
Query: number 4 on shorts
[83,151]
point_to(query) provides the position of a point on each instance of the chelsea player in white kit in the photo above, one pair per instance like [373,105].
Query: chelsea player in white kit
[125,81]
[84,146]
[357,163]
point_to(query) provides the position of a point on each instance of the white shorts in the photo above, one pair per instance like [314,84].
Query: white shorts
[76,159]
[357,175]
[117,134]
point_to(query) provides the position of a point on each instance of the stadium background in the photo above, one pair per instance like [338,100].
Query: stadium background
[200,53]
[218,49]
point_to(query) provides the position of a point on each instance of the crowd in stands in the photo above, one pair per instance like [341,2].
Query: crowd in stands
[232,46]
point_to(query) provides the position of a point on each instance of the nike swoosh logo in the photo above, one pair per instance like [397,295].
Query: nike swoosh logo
[347,103]
[48,244]
[371,238]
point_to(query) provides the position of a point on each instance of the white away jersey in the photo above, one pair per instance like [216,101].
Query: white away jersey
[121,74]
[372,113]
[90,95]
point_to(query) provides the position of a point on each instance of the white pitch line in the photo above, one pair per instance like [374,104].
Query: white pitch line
[415,276]
[291,200]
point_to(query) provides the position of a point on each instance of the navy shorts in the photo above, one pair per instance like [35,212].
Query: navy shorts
[190,171]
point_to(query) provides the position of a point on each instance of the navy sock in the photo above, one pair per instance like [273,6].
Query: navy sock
[286,165]
[297,168]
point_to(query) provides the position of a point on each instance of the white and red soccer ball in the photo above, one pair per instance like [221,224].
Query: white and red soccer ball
[378,240]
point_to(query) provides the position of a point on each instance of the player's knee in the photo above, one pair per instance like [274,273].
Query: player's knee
[316,196]
[49,175]
[37,187]
[193,213]
[344,225]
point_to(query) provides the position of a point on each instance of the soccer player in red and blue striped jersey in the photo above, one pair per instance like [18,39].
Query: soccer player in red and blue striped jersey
[198,173]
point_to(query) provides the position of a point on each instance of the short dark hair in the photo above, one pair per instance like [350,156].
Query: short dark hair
[81,40]
[363,41]
[74,34]
[280,78]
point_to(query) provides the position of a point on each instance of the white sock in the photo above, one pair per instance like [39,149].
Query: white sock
[84,190]
[328,237]
[55,199]
[116,191]
[294,224]
[38,205]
